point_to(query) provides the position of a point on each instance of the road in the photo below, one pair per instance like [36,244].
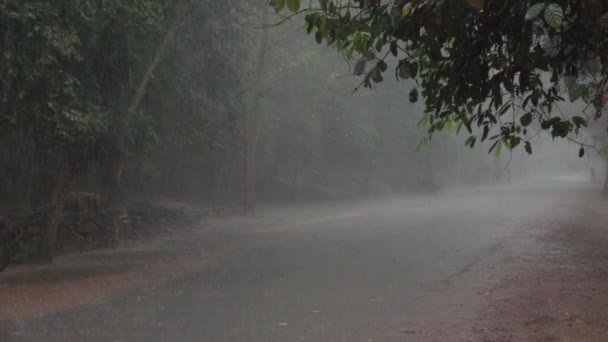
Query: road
[319,273]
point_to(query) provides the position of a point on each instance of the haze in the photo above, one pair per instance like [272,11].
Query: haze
[208,179]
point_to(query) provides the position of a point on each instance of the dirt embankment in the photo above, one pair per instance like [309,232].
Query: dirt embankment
[546,282]
[558,291]
[89,267]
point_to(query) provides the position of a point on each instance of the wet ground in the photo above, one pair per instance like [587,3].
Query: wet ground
[342,273]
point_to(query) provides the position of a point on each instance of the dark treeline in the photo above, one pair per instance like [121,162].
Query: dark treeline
[157,97]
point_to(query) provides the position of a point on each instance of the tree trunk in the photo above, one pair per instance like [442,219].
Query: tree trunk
[112,178]
[180,13]
[53,214]
[113,174]
[254,125]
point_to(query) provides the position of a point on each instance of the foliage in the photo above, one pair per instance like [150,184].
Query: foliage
[66,70]
[495,66]
[69,72]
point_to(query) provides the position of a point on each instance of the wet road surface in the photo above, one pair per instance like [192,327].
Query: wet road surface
[310,274]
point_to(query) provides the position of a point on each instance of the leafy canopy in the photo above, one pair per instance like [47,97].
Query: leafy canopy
[495,68]
[66,70]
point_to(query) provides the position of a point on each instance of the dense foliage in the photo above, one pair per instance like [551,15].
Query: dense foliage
[496,65]
[68,71]
[85,88]
[103,100]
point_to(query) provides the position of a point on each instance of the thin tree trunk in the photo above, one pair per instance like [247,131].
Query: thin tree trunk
[112,179]
[54,213]
[180,13]
[254,125]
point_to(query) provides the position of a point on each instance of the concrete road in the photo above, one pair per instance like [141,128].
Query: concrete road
[320,273]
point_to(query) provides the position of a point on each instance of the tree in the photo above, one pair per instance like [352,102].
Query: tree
[65,71]
[83,83]
[121,118]
[254,124]
[497,69]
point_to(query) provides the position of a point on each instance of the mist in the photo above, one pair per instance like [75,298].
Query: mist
[211,171]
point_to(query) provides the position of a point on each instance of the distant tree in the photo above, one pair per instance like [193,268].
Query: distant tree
[65,78]
[254,124]
[495,68]
[89,88]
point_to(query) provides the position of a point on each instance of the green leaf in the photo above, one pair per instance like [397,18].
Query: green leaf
[561,128]
[534,11]
[294,5]
[319,37]
[279,5]
[449,124]
[526,119]
[407,69]
[467,123]
[376,75]
[506,144]
[496,147]
[382,66]
[423,122]
[470,141]
[508,84]
[413,69]
[459,127]
[360,67]
[554,15]
[504,109]
[394,48]
[486,130]
[528,147]
[414,95]
[579,121]
[423,143]
[515,141]
[580,91]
